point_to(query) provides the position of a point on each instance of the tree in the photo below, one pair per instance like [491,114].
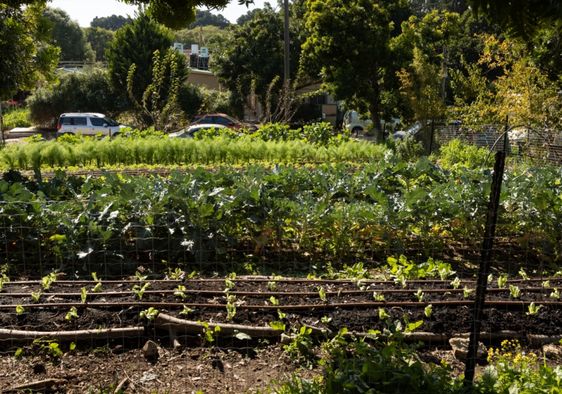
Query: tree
[68,36]
[247,16]
[523,18]
[159,101]
[99,40]
[135,43]
[252,57]
[113,22]
[348,46]
[27,57]
[206,18]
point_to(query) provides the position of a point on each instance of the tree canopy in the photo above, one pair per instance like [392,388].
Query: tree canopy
[207,18]
[113,22]
[68,36]
[23,32]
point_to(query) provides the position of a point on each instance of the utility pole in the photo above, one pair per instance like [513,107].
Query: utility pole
[286,68]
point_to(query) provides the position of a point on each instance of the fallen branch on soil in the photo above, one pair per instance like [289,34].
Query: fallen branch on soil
[39,385]
[102,333]
[176,325]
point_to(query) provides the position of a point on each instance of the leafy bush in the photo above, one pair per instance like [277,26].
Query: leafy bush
[18,117]
[190,100]
[511,370]
[318,133]
[216,132]
[458,154]
[77,92]
[216,101]
[276,132]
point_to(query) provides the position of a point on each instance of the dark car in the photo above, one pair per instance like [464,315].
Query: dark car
[224,120]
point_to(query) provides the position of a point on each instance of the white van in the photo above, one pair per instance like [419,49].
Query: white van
[356,123]
[87,123]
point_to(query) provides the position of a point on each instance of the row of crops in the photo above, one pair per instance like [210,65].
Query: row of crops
[332,213]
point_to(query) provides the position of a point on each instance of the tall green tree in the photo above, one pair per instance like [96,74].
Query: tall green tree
[348,47]
[252,56]
[68,36]
[27,56]
[136,43]
[99,39]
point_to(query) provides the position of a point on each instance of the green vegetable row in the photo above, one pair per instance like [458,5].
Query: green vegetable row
[332,214]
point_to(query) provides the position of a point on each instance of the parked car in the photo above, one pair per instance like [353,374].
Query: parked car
[356,123]
[190,131]
[224,120]
[87,123]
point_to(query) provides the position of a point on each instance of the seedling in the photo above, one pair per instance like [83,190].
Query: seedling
[149,314]
[523,274]
[502,281]
[428,310]
[546,284]
[300,348]
[277,325]
[382,314]
[490,278]
[3,279]
[186,310]
[322,294]
[180,292]
[209,333]
[48,280]
[36,295]
[273,301]
[533,309]
[555,294]
[139,290]
[514,291]
[378,296]
[98,287]
[272,286]
[456,283]
[466,292]
[140,277]
[228,285]
[71,314]
[19,310]
[83,294]
[325,319]
[230,307]
[419,295]
[281,314]
[175,274]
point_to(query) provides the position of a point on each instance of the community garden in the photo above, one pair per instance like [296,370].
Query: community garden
[344,260]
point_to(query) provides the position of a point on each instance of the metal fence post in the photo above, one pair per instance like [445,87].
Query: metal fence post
[485,261]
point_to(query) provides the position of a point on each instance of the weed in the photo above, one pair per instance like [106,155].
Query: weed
[300,347]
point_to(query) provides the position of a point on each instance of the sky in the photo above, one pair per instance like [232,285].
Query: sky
[85,11]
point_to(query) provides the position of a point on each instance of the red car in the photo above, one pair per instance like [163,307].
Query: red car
[224,120]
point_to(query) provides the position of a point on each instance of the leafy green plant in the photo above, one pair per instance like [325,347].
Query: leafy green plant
[555,294]
[378,296]
[208,332]
[186,311]
[19,310]
[322,294]
[456,283]
[502,281]
[514,291]
[180,292]
[71,314]
[428,311]
[273,300]
[149,314]
[419,295]
[533,309]
[230,306]
[48,280]
[277,325]
[83,294]
[272,286]
[467,292]
[36,295]
[139,290]
[383,315]
[3,279]
[300,347]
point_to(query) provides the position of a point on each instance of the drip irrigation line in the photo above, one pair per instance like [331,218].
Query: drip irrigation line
[323,306]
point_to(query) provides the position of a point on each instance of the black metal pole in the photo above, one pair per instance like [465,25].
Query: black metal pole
[286,68]
[485,262]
